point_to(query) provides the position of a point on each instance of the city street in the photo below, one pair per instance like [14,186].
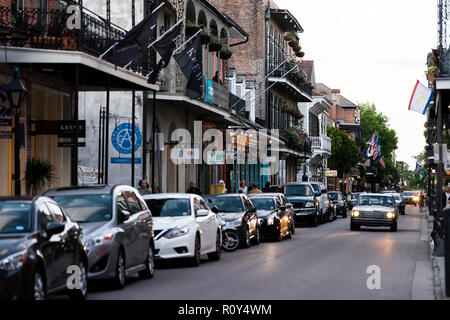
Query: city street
[329,262]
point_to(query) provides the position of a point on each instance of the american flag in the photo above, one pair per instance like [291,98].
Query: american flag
[382,162]
[377,150]
[418,169]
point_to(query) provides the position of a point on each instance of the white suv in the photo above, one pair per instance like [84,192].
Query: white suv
[324,202]
[184,227]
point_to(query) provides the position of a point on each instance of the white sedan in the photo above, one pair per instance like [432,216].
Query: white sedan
[184,227]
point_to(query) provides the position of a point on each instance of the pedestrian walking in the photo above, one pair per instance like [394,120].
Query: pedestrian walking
[243,188]
[144,187]
[193,189]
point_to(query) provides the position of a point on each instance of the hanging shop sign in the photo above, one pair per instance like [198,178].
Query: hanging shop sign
[121,138]
[209,93]
[331,173]
[61,128]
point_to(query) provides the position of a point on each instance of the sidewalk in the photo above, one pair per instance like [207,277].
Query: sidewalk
[437,263]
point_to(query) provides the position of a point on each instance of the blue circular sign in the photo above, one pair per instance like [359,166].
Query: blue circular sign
[121,138]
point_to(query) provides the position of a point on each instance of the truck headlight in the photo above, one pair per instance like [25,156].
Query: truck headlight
[309,205]
[355,214]
[14,261]
[390,215]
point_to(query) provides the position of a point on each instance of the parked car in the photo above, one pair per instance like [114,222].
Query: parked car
[325,210]
[410,198]
[375,210]
[304,200]
[388,191]
[400,203]
[117,230]
[339,203]
[238,211]
[274,219]
[184,227]
[38,244]
[284,202]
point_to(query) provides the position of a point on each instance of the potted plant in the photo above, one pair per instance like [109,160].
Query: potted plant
[432,73]
[225,52]
[205,36]
[297,48]
[39,174]
[301,54]
[287,36]
[293,43]
[191,27]
[215,45]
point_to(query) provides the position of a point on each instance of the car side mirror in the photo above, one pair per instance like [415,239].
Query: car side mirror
[125,215]
[202,213]
[215,209]
[317,194]
[54,228]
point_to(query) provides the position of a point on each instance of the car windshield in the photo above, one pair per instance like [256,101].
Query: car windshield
[169,207]
[263,203]
[374,200]
[87,208]
[335,195]
[398,197]
[15,218]
[228,204]
[316,188]
[299,190]
[408,193]
[356,195]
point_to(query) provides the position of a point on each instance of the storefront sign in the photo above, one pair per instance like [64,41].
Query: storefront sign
[68,129]
[331,173]
[87,176]
[121,138]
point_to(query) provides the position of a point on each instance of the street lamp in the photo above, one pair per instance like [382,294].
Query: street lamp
[16,95]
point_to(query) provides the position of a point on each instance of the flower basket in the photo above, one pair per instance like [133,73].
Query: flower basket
[225,53]
[191,28]
[293,43]
[432,75]
[205,36]
[215,45]
[301,54]
[297,48]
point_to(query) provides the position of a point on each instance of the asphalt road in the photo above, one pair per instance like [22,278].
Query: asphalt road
[327,262]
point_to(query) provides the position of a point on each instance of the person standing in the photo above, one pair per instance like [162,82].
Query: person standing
[144,187]
[255,190]
[193,189]
[243,188]
[266,188]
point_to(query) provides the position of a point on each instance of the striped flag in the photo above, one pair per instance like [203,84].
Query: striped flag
[418,169]
[372,147]
[377,151]
[420,99]
[383,164]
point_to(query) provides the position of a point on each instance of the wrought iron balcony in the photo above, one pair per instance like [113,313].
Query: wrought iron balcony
[321,143]
[47,29]
[292,78]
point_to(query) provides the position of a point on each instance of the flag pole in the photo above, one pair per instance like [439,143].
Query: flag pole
[115,44]
[159,38]
[177,49]
[272,72]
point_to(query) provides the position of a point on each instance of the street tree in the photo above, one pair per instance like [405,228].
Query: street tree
[344,151]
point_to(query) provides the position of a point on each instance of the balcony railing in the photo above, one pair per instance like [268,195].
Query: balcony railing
[291,78]
[321,143]
[47,29]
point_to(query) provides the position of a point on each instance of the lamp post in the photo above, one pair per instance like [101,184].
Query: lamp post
[16,95]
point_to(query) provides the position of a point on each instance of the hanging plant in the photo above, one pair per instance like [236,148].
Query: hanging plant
[432,73]
[288,36]
[297,48]
[205,36]
[293,43]
[301,54]
[191,27]
[215,45]
[225,52]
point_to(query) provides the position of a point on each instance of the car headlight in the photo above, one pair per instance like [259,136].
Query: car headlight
[271,221]
[355,214]
[416,198]
[390,215]
[176,232]
[14,261]
[99,240]
[309,205]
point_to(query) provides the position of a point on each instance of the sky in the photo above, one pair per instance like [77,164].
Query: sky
[374,51]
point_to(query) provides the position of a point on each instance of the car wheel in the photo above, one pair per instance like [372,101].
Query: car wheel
[256,239]
[289,235]
[315,221]
[120,277]
[215,256]
[38,290]
[81,293]
[246,243]
[394,227]
[195,261]
[230,241]
[149,271]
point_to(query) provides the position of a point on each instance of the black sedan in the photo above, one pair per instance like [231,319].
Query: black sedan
[339,203]
[238,211]
[274,219]
[41,250]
